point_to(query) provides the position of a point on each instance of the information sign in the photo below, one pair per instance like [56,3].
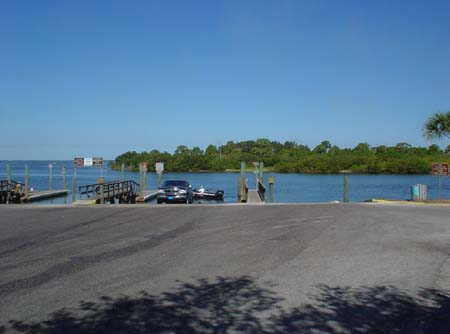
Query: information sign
[88,162]
[78,162]
[144,166]
[439,169]
[50,166]
[97,161]
[159,167]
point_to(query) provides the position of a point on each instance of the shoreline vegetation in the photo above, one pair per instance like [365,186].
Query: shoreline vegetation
[291,157]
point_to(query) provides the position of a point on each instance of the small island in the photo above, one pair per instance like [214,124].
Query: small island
[292,157]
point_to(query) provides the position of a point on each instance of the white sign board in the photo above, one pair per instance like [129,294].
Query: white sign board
[159,167]
[88,162]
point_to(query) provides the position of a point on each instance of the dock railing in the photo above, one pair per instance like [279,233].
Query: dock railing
[261,191]
[124,191]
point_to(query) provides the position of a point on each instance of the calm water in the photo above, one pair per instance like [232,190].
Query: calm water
[289,188]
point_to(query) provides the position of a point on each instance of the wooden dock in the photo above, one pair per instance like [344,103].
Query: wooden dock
[125,192]
[253,197]
[46,194]
[13,192]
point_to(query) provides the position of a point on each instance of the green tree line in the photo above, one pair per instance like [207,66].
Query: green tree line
[292,157]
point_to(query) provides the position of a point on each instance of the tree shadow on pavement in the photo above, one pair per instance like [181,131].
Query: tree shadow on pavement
[240,305]
[368,310]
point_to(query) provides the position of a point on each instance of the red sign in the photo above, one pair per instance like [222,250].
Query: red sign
[97,161]
[78,162]
[144,166]
[438,169]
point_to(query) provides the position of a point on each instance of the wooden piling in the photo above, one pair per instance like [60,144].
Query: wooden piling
[102,194]
[141,180]
[63,173]
[345,188]
[74,182]
[241,183]
[8,173]
[271,182]
[8,176]
[50,170]
[26,181]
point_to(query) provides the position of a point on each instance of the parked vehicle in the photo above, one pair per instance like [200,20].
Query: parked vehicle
[212,194]
[175,191]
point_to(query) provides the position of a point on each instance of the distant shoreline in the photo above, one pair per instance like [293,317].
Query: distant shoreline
[266,170]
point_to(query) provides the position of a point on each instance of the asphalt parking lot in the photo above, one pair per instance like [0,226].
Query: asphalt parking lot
[306,268]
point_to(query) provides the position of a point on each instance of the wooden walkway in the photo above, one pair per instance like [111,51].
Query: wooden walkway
[254,198]
[126,192]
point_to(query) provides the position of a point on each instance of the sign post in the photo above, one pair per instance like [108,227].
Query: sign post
[159,167]
[50,169]
[63,173]
[439,169]
[144,175]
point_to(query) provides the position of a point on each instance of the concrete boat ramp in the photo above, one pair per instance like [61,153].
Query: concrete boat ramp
[298,268]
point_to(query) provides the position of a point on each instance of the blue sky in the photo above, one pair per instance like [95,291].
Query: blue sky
[98,78]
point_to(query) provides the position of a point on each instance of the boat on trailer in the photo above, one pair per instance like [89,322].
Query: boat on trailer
[208,194]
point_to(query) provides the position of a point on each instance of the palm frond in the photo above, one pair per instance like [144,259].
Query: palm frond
[437,126]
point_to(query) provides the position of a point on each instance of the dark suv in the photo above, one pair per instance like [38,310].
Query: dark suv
[175,191]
